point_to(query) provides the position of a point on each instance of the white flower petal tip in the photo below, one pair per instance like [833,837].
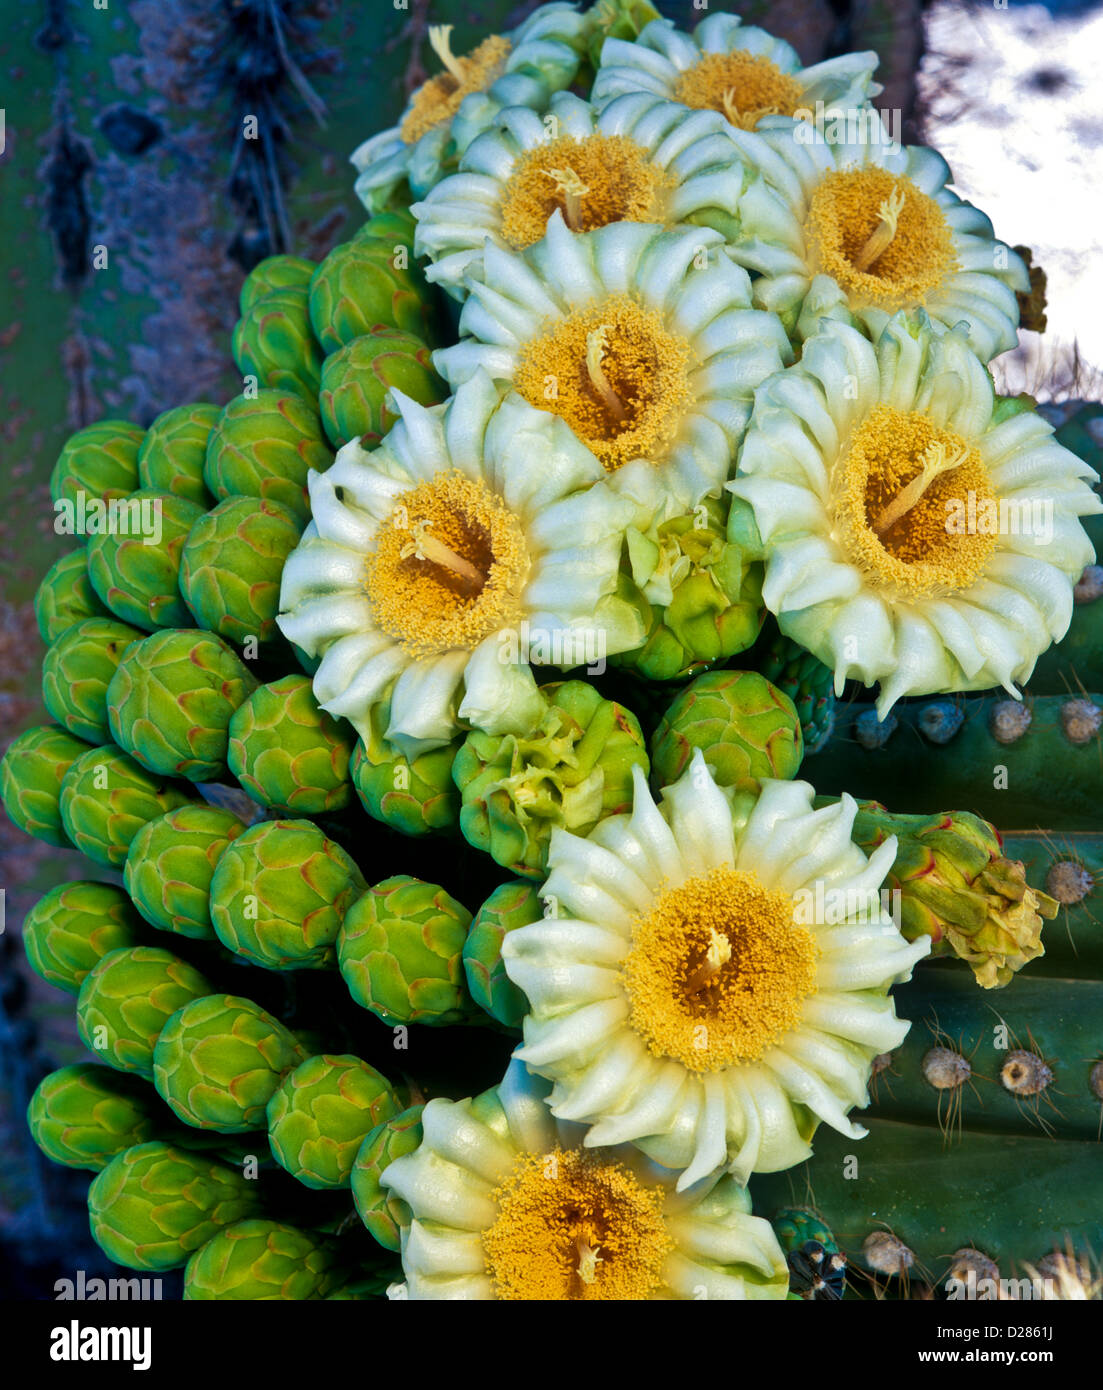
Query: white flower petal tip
[678,1056]
[504,1202]
[392,589]
[919,532]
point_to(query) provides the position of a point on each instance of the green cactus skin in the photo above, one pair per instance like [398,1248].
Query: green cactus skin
[273,342]
[746,728]
[356,380]
[400,953]
[416,797]
[154,1204]
[100,460]
[511,905]
[807,682]
[70,930]
[817,1268]
[572,772]
[139,583]
[264,446]
[1077,661]
[106,797]
[32,774]
[1049,778]
[83,1115]
[174,450]
[358,287]
[1070,869]
[219,1059]
[382,1212]
[288,753]
[280,893]
[274,273]
[66,597]
[260,1260]
[170,864]
[231,565]
[126,999]
[320,1114]
[77,671]
[367,1283]
[171,700]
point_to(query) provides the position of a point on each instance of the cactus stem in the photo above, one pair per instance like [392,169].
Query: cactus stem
[933,463]
[572,190]
[440,43]
[880,239]
[595,355]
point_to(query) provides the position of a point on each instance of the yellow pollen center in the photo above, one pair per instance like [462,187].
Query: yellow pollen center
[593,181]
[448,568]
[744,87]
[617,377]
[886,243]
[719,971]
[438,100]
[571,1225]
[900,491]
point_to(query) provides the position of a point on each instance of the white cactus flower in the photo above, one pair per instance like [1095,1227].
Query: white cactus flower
[643,159]
[860,228]
[505,1203]
[427,560]
[520,68]
[918,532]
[736,69]
[642,339]
[714,981]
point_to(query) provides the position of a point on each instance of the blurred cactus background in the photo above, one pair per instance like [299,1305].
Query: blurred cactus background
[155,151]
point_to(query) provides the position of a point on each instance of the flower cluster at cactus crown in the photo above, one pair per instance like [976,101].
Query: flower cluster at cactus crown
[507,1203]
[696,992]
[871,470]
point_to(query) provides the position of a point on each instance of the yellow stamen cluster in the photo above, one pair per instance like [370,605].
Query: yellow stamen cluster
[718,971]
[449,567]
[438,100]
[892,488]
[619,184]
[886,243]
[571,1225]
[617,377]
[744,87]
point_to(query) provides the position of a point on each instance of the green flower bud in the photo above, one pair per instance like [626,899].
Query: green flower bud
[174,450]
[274,273]
[155,1203]
[170,865]
[126,1000]
[260,1260]
[382,1211]
[358,287]
[746,728]
[356,380]
[264,446]
[231,566]
[82,1116]
[72,928]
[171,700]
[288,753]
[394,228]
[137,579]
[414,797]
[808,683]
[400,953]
[77,670]
[219,1060]
[573,771]
[511,905]
[320,1113]
[273,341]
[32,773]
[99,461]
[280,893]
[66,597]
[106,797]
